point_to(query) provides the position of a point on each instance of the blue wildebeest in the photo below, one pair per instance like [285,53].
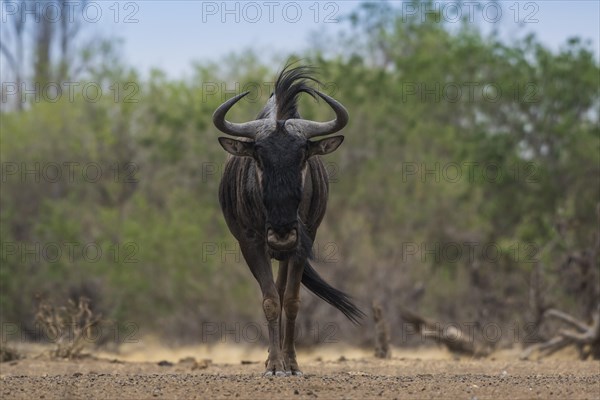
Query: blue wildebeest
[273,194]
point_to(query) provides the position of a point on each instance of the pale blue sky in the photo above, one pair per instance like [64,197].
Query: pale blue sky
[171,35]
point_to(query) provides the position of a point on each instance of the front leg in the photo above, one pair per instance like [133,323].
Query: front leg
[271,306]
[281,283]
[260,266]
[291,304]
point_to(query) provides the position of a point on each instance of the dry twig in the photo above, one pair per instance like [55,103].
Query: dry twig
[67,326]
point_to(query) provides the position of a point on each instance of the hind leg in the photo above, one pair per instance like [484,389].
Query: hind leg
[291,304]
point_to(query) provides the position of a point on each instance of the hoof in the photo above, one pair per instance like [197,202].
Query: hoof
[294,373]
[269,374]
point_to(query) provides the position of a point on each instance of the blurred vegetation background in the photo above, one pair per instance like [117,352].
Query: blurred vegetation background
[514,234]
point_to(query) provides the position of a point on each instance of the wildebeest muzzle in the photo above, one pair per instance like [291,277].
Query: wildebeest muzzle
[282,239]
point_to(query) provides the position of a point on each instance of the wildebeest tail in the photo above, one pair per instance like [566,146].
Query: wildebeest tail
[337,298]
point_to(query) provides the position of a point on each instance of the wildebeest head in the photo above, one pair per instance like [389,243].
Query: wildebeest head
[280,144]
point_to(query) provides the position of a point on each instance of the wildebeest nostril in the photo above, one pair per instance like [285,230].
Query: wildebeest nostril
[292,235]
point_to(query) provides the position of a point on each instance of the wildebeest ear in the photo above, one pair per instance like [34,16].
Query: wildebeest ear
[237,147]
[325,146]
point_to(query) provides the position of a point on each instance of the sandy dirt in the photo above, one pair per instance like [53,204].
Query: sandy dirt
[357,375]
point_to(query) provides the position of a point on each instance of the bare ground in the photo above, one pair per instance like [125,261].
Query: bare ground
[363,377]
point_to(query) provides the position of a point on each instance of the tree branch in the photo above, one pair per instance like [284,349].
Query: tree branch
[566,318]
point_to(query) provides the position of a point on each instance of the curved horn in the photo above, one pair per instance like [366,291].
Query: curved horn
[313,128]
[246,129]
